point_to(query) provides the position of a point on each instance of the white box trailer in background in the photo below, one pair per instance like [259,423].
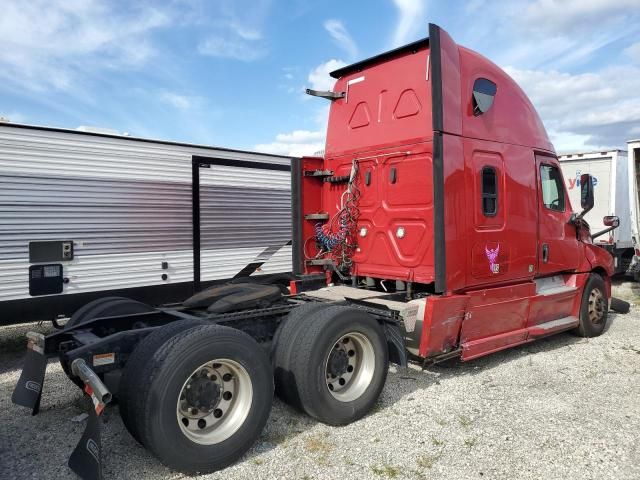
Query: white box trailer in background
[84,215]
[610,172]
[633,154]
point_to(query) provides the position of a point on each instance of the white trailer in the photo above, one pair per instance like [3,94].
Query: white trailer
[610,172]
[633,156]
[84,213]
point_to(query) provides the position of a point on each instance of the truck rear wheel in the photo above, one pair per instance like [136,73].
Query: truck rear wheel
[593,308]
[139,366]
[206,399]
[283,341]
[340,362]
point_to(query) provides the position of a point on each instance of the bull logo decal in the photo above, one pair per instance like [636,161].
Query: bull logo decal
[492,256]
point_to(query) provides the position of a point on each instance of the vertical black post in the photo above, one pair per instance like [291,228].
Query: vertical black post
[195,209]
[297,260]
[440,259]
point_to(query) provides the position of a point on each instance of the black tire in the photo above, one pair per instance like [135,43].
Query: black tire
[593,308]
[313,347]
[619,305]
[173,364]
[102,307]
[283,342]
[139,366]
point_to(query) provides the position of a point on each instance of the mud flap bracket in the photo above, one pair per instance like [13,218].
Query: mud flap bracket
[86,459]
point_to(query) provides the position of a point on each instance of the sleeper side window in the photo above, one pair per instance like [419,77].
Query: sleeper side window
[489,191]
[552,187]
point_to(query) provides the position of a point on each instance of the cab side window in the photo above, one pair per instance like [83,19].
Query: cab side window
[489,192]
[552,188]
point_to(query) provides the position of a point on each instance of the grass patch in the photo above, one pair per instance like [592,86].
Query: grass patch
[630,349]
[437,442]
[465,421]
[318,444]
[278,438]
[470,442]
[428,460]
[13,344]
[441,421]
[388,471]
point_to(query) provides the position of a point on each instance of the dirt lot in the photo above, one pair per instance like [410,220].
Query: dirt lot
[561,408]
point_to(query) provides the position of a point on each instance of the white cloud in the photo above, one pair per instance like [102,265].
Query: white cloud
[411,22]
[300,136]
[322,115]
[296,143]
[567,142]
[598,108]
[472,6]
[319,78]
[235,29]
[13,117]
[569,15]
[181,102]
[245,32]
[238,48]
[341,37]
[50,44]
[633,51]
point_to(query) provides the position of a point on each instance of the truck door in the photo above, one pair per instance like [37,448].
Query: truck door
[558,247]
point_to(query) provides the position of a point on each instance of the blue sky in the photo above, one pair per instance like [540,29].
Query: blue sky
[232,73]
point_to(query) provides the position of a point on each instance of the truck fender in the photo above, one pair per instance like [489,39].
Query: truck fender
[395,344]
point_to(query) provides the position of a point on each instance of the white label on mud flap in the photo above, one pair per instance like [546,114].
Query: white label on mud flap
[104,359]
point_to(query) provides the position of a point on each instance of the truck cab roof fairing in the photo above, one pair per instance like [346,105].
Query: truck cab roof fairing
[382,57]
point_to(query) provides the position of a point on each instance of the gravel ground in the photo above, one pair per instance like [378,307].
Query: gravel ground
[561,408]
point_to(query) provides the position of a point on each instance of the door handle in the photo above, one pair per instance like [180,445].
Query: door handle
[545,253]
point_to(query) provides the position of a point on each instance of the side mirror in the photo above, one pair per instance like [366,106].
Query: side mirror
[586,193]
[611,221]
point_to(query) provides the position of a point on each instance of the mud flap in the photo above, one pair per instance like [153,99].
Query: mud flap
[86,459]
[395,344]
[28,390]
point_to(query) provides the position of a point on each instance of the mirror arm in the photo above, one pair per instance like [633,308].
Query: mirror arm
[602,232]
[584,212]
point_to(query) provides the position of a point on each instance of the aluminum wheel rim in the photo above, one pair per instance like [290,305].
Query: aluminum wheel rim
[226,412]
[597,306]
[360,366]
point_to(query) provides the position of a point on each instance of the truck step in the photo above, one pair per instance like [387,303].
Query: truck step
[556,290]
[553,326]
[553,286]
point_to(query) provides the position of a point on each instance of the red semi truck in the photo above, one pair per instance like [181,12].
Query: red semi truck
[436,226]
